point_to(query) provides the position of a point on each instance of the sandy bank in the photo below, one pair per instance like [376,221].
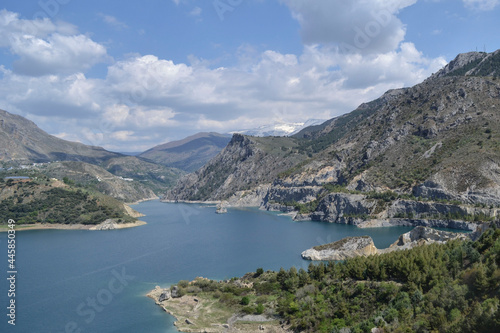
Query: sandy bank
[58,226]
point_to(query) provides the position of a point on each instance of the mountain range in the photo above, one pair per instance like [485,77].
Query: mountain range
[423,152]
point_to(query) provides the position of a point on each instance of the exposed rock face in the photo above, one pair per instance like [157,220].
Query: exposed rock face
[345,248]
[363,246]
[165,295]
[249,198]
[175,292]
[472,63]
[459,62]
[334,207]
[424,235]
[244,164]
[106,225]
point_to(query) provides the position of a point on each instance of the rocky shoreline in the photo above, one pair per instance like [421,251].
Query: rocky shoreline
[360,209]
[202,314]
[363,246]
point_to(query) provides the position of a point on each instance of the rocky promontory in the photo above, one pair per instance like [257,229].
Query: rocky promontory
[340,250]
[363,246]
[203,313]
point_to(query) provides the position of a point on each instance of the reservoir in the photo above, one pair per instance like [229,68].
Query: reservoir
[96,281]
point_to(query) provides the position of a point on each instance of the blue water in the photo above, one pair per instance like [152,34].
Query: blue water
[84,281]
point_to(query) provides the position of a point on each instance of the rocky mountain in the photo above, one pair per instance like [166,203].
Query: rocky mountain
[190,153]
[429,152]
[244,163]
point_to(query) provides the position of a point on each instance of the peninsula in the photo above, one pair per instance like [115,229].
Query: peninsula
[394,290]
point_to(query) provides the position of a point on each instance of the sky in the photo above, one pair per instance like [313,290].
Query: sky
[128,75]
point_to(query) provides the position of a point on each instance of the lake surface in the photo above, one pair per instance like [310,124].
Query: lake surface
[96,281]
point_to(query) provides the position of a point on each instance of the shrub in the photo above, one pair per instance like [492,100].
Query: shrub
[245,300]
[259,272]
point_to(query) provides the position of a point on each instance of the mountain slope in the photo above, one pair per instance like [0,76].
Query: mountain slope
[436,141]
[24,142]
[156,177]
[190,153]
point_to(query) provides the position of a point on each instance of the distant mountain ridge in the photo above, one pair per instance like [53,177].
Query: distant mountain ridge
[188,154]
[279,129]
[23,141]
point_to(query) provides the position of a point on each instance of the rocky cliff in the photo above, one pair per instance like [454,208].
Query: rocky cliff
[245,163]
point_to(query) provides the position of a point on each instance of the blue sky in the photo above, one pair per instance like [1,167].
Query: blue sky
[129,75]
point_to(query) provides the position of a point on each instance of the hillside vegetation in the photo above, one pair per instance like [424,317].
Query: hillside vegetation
[453,287]
[44,200]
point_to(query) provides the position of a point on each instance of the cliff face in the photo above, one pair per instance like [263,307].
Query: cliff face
[245,163]
[434,146]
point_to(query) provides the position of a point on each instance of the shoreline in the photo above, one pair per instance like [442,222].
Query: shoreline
[60,226]
[197,314]
[142,200]
[372,223]
[193,202]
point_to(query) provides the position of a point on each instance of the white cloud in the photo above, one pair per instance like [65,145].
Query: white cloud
[151,96]
[56,54]
[45,48]
[358,26]
[481,4]
[144,99]
[113,21]
[11,26]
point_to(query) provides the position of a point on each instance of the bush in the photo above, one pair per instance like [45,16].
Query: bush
[245,300]
[259,272]
[183,283]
